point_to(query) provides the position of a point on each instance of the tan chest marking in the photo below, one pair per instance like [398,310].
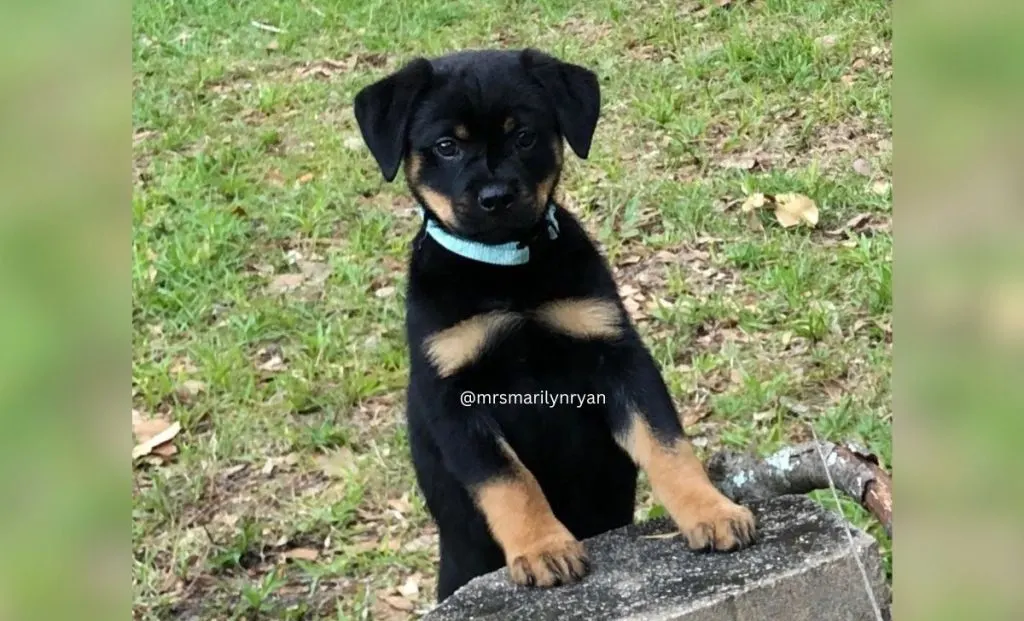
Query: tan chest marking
[583,317]
[456,347]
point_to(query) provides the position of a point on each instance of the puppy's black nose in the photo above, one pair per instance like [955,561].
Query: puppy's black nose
[497,195]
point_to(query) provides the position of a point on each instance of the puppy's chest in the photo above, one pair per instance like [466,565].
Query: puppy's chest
[565,344]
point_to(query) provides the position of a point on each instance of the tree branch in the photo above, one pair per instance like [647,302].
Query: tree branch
[799,469]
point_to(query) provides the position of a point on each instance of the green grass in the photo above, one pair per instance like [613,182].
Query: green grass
[248,166]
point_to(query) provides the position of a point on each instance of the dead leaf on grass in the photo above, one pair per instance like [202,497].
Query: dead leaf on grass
[302,554]
[399,603]
[745,162]
[316,273]
[304,179]
[283,283]
[695,415]
[827,41]
[385,292]
[337,464]
[310,278]
[752,202]
[153,436]
[401,505]
[275,178]
[411,587]
[272,364]
[862,167]
[421,543]
[881,188]
[190,389]
[861,223]
[792,209]
[233,470]
[268,468]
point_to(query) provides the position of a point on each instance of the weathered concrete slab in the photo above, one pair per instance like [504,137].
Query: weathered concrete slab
[801,569]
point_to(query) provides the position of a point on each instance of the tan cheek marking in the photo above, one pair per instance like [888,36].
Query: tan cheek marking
[508,125]
[461,132]
[438,203]
[558,147]
[456,347]
[538,548]
[583,317]
[704,516]
[413,165]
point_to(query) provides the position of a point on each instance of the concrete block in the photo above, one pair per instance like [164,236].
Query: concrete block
[802,568]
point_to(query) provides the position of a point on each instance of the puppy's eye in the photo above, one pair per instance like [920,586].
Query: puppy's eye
[525,139]
[446,148]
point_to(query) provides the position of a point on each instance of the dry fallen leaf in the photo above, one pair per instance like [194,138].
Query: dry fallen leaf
[353,143]
[791,209]
[268,468]
[157,440]
[881,187]
[316,273]
[274,363]
[384,292]
[411,587]
[855,222]
[338,463]
[283,283]
[862,167]
[304,179]
[739,163]
[694,416]
[402,505]
[752,202]
[630,260]
[233,470]
[191,388]
[303,554]
[399,603]
[827,41]
[275,178]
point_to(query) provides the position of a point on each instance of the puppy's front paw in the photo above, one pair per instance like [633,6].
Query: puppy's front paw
[558,559]
[718,524]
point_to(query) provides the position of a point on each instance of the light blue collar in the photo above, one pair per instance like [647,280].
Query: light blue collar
[510,253]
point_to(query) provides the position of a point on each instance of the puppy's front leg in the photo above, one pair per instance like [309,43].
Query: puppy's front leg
[539,549]
[646,425]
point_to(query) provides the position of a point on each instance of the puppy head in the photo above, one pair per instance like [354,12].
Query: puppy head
[480,134]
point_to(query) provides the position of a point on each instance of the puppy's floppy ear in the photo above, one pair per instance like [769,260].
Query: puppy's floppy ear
[383,110]
[575,95]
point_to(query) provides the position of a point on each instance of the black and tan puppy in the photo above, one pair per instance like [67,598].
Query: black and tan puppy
[508,301]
